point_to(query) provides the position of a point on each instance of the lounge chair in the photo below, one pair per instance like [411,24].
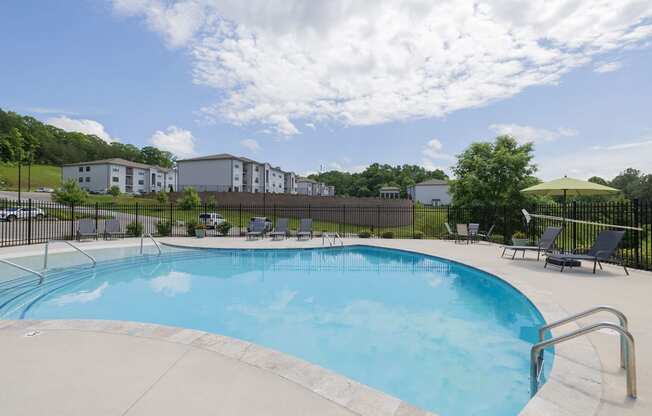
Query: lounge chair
[603,249]
[486,236]
[462,233]
[450,232]
[112,227]
[86,228]
[256,230]
[546,243]
[281,229]
[305,228]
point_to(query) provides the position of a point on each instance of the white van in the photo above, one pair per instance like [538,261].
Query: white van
[211,219]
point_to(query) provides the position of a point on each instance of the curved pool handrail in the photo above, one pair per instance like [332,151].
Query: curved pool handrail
[47,245]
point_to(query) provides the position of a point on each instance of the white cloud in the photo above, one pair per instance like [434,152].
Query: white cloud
[365,62]
[82,126]
[604,161]
[171,284]
[251,144]
[604,67]
[529,134]
[178,141]
[346,166]
[83,296]
[47,110]
[431,152]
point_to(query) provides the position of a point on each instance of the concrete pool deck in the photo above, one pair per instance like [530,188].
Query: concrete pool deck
[585,380]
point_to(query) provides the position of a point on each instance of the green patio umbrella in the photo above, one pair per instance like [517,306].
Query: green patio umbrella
[569,187]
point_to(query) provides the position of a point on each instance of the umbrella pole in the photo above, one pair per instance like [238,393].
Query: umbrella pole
[563,241]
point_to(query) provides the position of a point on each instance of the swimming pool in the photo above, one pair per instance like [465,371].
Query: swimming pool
[438,334]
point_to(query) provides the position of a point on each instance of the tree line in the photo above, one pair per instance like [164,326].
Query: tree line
[25,139]
[368,182]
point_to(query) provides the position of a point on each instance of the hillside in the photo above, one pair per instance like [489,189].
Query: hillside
[42,176]
[24,138]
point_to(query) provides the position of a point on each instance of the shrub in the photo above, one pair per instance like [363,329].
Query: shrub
[519,235]
[164,228]
[135,229]
[210,201]
[387,234]
[223,228]
[191,225]
[190,199]
[418,235]
[114,191]
[162,198]
[70,193]
[364,234]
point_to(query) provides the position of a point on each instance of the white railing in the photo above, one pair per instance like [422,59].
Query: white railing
[47,246]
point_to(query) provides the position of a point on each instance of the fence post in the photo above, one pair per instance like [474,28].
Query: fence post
[344,221]
[413,220]
[171,220]
[639,234]
[240,220]
[96,220]
[137,221]
[29,221]
[574,226]
[72,221]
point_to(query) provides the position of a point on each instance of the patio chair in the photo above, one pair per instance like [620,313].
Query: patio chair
[486,236]
[256,230]
[603,249]
[112,227]
[462,233]
[474,229]
[305,228]
[546,244]
[86,228]
[450,232]
[281,229]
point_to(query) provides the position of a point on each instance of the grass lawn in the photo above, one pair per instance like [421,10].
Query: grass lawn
[42,176]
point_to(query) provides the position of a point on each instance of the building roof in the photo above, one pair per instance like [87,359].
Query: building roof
[390,189]
[219,156]
[118,161]
[431,182]
[300,179]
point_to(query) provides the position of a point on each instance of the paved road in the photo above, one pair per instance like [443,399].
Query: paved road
[37,196]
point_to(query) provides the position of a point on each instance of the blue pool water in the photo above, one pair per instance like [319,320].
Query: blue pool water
[435,333]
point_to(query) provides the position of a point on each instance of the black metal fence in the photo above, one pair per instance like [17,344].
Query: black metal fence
[32,222]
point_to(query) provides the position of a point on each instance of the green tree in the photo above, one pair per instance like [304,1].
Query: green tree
[629,182]
[114,191]
[153,156]
[491,174]
[162,198]
[70,193]
[190,199]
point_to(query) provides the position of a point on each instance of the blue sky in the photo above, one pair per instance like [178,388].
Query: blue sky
[307,84]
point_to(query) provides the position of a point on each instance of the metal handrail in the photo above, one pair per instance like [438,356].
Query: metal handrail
[47,246]
[148,235]
[26,269]
[630,366]
[336,237]
[602,308]
[328,236]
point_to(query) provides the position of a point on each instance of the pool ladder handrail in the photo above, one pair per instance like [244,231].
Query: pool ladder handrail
[332,242]
[47,246]
[149,235]
[627,345]
[26,269]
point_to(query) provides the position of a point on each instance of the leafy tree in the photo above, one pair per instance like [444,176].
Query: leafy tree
[493,174]
[154,156]
[162,198]
[190,199]
[70,193]
[210,201]
[629,182]
[114,191]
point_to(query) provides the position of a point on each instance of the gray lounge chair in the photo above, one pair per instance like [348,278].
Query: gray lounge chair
[474,229]
[111,228]
[603,249]
[86,228]
[462,233]
[486,236]
[546,244]
[256,230]
[281,229]
[305,228]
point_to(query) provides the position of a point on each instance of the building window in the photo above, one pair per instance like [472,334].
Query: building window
[81,179]
[236,166]
[88,168]
[115,179]
[158,184]
[256,180]
[141,182]
[81,168]
[116,169]
[266,176]
[88,179]
[141,173]
[237,178]
[256,168]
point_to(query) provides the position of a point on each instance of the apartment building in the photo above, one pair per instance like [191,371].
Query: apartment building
[225,172]
[131,177]
[306,186]
[431,192]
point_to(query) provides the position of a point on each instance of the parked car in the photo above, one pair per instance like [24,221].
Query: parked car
[42,189]
[268,223]
[211,219]
[18,213]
